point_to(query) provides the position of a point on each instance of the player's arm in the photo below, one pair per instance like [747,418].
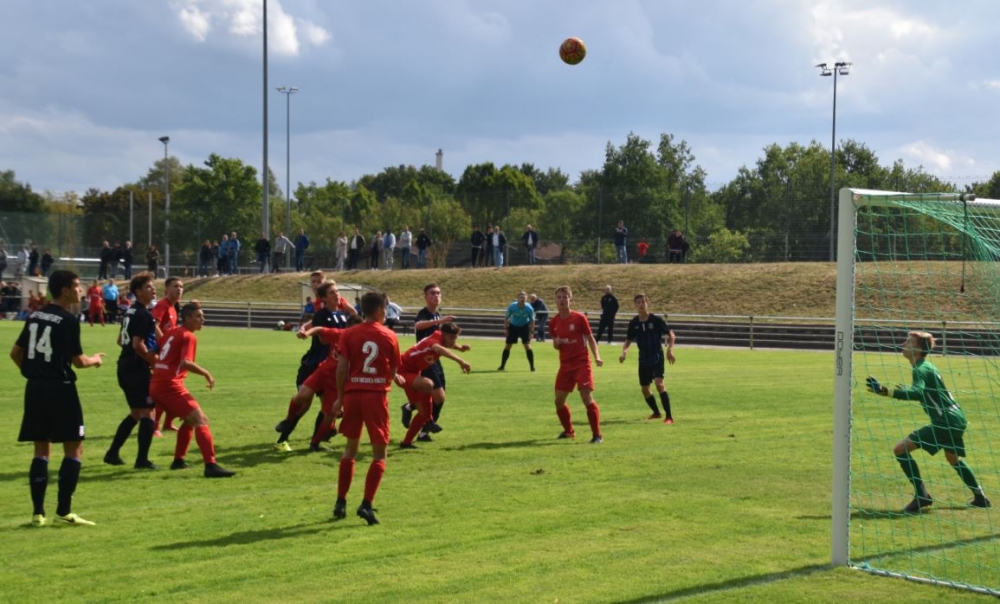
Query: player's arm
[198,369]
[592,343]
[342,376]
[625,348]
[82,361]
[441,350]
[139,346]
[313,331]
[17,355]
[301,333]
[671,338]
[346,307]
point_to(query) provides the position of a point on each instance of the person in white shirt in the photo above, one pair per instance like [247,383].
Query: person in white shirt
[282,245]
[405,242]
[388,246]
[393,313]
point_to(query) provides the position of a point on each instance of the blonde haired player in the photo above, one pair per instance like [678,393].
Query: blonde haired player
[572,336]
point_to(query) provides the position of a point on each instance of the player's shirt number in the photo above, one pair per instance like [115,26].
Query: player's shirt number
[123,338]
[371,349]
[42,344]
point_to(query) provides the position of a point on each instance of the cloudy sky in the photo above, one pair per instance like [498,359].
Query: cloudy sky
[87,88]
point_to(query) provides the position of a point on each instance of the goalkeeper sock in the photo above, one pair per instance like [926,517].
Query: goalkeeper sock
[665,401]
[652,404]
[965,472]
[912,473]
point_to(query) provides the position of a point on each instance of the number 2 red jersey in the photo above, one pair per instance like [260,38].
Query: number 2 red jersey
[179,344]
[422,355]
[573,330]
[372,354]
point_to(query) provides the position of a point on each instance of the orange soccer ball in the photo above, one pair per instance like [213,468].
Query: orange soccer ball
[572,51]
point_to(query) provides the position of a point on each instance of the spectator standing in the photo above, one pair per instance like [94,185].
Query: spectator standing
[233,254]
[263,250]
[116,259]
[423,242]
[110,294]
[388,247]
[498,242]
[642,248]
[3,260]
[205,256]
[376,251]
[405,243]
[282,245]
[530,239]
[128,257]
[541,316]
[222,263]
[33,261]
[609,308]
[47,262]
[105,258]
[477,240]
[356,244]
[301,245]
[677,246]
[152,259]
[488,249]
[621,243]
[393,313]
[341,250]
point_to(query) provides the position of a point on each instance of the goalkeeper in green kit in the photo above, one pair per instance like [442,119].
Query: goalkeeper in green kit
[945,431]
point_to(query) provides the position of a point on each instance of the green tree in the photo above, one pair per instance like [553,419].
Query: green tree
[22,212]
[221,196]
[488,194]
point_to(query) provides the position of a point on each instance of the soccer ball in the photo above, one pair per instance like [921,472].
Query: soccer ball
[281,324]
[572,51]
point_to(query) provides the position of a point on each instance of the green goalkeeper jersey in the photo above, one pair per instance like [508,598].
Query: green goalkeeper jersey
[929,389]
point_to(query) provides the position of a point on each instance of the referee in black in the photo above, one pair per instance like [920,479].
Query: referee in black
[649,331]
[135,364]
[47,347]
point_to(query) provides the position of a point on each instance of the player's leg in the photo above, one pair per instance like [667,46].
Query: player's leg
[198,423]
[528,352]
[350,427]
[564,385]
[328,427]
[664,397]
[376,419]
[593,415]
[419,394]
[647,394]
[38,480]
[69,476]
[297,406]
[506,350]
[902,451]
[979,499]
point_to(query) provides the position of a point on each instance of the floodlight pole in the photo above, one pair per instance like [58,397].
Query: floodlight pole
[166,193]
[839,68]
[288,92]
[266,209]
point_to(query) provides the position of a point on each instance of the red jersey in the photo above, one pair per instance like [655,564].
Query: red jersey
[573,330]
[95,299]
[165,315]
[179,344]
[372,354]
[331,336]
[422,355]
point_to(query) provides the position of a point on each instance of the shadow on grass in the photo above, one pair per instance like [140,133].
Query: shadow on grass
[255,454]
[741,583]
[488,446]
[247,537]
[894,514]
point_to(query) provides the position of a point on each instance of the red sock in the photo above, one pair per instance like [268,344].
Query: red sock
[375,473]
[594,417]
[293,410]
[344,477]
[183,441]
[424,410]
[204,437]
[564,418]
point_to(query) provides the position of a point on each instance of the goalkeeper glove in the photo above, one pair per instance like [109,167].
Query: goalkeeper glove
[874,386]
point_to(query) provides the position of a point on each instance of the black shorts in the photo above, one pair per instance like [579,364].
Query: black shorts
[648,372]
[515,333]
[305,370]
[435,373]
[52,412]
[135,385]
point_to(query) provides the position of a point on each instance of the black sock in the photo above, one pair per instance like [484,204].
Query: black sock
[665,401]
[146,428]
[121,435]
[38,478]
[652,404]
[69,475]
[437,410]
[289,428]
[319,422]
[503,359]
[531,358]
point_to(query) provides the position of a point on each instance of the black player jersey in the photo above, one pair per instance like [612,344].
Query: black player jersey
[50,340]
[138,322]
[426,315]
[318,351]
[648,336]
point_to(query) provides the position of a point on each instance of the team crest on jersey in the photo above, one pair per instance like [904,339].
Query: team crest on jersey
[81,431]
[572,327]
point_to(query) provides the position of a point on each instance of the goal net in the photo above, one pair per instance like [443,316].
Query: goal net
[930,263]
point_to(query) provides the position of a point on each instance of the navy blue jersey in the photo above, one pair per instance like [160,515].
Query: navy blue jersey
[138,322]
[50,340]
[318,351]
[648,336]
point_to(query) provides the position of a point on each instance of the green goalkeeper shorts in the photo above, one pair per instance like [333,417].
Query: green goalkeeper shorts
[934,438]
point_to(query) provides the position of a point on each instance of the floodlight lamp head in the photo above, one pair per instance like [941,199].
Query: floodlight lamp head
[164,139]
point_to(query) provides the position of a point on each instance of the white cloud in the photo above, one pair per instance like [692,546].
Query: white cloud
[243,19]
[195,22]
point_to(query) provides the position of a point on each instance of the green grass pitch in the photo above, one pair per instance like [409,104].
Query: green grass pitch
[730,504]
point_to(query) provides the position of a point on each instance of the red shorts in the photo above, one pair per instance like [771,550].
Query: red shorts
[568,379]
[324,377]
[328,398]
[369,408]
[173,398]
[412,395]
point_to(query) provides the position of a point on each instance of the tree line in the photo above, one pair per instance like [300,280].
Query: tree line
[776,209]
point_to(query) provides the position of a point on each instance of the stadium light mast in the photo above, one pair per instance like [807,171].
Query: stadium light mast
[166,193]
[288,92]
[839,68]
